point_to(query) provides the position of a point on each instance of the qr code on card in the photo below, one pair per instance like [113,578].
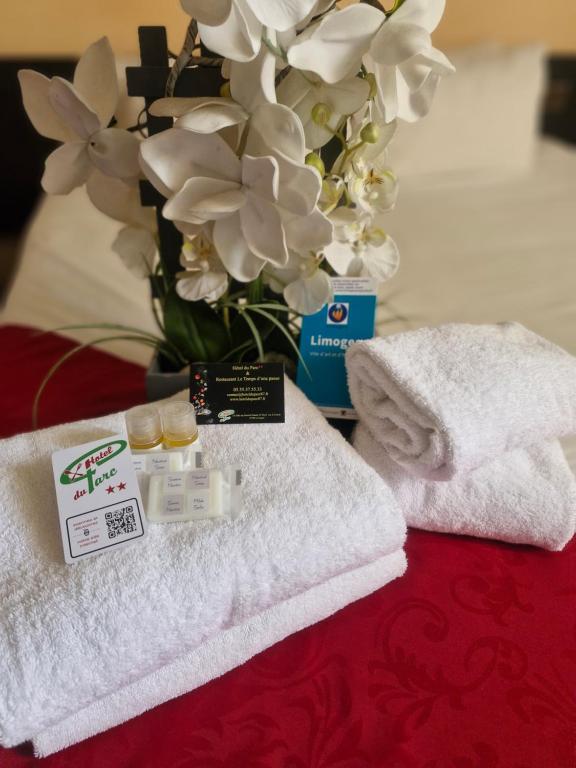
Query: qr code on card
[120,521]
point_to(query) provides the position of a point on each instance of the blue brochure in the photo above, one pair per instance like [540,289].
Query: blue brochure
[325,338]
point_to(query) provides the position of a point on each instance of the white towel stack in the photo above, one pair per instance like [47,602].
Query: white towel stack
[85,647]
[480,407]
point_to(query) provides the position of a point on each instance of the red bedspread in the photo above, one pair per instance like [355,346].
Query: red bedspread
[468,661]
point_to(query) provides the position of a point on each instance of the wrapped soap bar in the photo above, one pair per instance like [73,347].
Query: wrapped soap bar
[175,460]
[198,494]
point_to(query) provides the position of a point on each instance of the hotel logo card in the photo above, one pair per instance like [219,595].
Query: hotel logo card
[99,503]
[325,338]
[237,393]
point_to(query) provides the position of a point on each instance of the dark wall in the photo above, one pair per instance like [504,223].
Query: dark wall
[22,150]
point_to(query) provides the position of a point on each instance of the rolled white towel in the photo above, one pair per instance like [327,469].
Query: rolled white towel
[446,400]
[526,496]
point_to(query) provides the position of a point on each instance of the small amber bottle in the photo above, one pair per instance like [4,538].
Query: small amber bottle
[178,424]
[144,428]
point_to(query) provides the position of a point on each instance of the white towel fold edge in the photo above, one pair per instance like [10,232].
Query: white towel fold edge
[222,653]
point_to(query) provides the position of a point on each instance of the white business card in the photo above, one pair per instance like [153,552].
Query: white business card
[99,503]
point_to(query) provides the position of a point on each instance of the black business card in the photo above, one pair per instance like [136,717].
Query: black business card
[237,393]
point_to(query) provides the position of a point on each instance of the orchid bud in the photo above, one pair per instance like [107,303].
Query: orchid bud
[316,162]
[321,113]
[225,90]
[370,133]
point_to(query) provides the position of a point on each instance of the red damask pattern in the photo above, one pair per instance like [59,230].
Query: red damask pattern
[468,661]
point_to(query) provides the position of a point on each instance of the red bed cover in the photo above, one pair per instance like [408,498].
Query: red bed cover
[468,661]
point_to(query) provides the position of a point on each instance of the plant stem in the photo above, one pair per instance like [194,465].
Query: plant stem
[255,290]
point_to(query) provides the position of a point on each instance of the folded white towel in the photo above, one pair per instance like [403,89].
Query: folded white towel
[446,400]
[224,651]
[527,496]
[70,635]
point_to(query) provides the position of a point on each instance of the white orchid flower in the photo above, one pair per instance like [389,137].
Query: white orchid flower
[406,66]
[333,47]
[332,191]
[234,28]
[78,114]
[137,248]
[204,275]
[205,181]
[305,92]
[361,247]
[372,184]
[305,286]
[120,200]
[277,132]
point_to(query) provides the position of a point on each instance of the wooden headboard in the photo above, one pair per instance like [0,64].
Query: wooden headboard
[559,113]
[21,169]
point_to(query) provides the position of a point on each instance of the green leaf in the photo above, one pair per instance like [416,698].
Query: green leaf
[195,329]
[284,331]
[71,353]
[255,332]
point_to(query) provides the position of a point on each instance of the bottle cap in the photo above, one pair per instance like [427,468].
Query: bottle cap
[143,426]
[179,421]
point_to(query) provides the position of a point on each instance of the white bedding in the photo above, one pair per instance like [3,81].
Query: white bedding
[479,251]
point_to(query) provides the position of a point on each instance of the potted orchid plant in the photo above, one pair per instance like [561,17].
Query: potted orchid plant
[275,183]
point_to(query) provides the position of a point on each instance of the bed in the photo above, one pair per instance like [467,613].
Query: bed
[469,661]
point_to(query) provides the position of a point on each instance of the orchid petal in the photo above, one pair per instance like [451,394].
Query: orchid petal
[40,111]
[307,233]
[96,81]
[190,230]
[176,106]
[241,263]
[334,47]
[253,83]
[262,229]
[238,37]
[72,109]
[387,90]
[295,89]
[275,126]
[212,116]
[437,61]
[318,9]
[281,15]
[395,43]
[300,186]
[424,13]
[339,256]
[119,200]
[202,285]
[381,262]
[66,168]
[115,152]
[170,158]
[348,96]
[412,105]
[137,249]
[260,176]
[212,12]
[204,199]
[309,294]
[301,94]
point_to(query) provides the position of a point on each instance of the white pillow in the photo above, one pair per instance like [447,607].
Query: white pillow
[485,117]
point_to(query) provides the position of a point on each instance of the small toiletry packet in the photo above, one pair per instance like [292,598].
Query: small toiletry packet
[99,502]
[198,494]
[150,462]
